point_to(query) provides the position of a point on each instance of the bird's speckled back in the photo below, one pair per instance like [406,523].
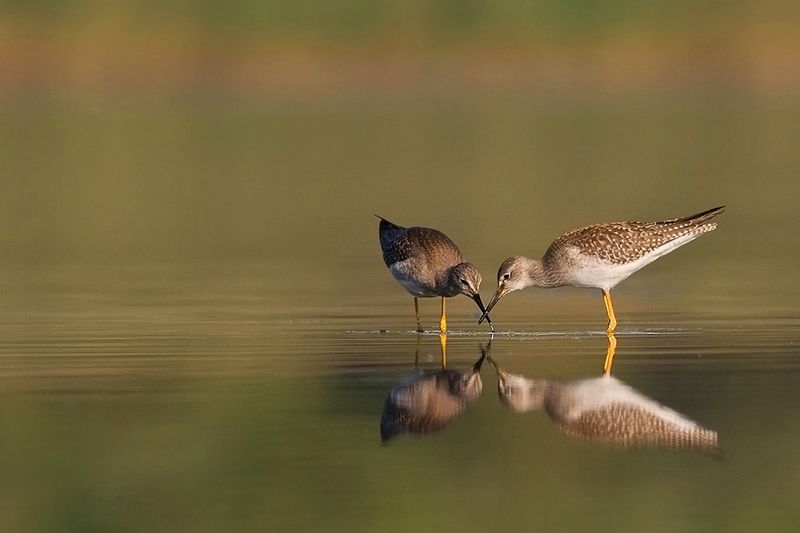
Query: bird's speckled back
[624,242]
[399,244]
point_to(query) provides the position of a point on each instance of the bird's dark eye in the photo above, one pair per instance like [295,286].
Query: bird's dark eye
[506,275]
[463,281]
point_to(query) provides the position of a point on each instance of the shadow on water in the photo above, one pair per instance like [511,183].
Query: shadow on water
[606,410]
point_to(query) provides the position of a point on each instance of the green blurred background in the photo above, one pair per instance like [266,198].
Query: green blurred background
[193,129]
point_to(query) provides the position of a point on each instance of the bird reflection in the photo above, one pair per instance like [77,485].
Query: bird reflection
[607,410]
[426,401]
[612,348]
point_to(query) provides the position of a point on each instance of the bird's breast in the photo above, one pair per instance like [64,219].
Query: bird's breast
[415,281]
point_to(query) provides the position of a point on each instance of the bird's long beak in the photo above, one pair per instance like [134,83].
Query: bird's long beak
[485,312]
[501,291]
[477,366]
[501,374]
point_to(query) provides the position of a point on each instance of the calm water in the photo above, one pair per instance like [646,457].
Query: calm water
[197,332]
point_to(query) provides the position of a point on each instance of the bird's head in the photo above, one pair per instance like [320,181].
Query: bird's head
[465,279]
[512,276]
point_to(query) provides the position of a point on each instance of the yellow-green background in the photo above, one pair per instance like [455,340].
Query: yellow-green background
[192,294]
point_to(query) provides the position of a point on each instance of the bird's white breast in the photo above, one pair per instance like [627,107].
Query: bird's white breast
[594,272]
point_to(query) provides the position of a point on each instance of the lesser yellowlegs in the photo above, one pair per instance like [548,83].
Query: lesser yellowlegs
[428,264]
[601,256]
[427,401]
[607,410]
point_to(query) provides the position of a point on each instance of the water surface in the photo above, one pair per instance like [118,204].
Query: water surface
[180,351]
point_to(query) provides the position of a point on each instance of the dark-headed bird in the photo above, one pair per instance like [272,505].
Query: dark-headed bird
[428,264]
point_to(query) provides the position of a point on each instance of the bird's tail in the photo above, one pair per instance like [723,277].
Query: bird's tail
[701,219]
[387,232]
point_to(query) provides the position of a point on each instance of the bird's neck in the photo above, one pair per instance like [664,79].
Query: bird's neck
[445,285]
[448,284]
[539,275]
[524,394]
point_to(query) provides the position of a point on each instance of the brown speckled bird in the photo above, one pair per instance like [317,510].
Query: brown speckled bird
[601,256]
[607,410]
[428,264]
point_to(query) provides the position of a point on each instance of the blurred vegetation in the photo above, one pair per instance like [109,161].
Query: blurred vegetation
[438,19]
[317,49]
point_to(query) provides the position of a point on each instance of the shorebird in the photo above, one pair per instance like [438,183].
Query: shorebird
[600,256]
[607,410]
[427,401]
[428,264]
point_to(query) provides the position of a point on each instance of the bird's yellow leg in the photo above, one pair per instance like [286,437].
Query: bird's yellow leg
[416,352]
[612,320]
[416,311]
[443,322]
[443,341]
[612,348]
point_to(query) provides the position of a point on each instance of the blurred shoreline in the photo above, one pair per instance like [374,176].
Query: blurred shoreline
[755,62]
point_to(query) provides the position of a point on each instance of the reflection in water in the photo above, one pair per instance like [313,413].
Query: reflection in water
[612,349]
[426,401]
[607,410]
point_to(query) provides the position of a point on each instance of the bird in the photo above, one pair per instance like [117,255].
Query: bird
[428,264]
[427,401]
[605,409]
[601,256]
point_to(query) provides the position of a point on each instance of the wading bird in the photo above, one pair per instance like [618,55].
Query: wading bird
[600,256]
[428,264]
